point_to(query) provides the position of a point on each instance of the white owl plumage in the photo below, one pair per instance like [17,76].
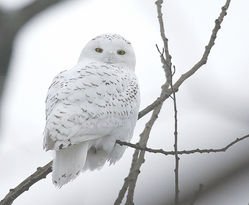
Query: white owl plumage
[91,106]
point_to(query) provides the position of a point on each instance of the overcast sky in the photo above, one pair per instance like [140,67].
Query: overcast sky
[212,105]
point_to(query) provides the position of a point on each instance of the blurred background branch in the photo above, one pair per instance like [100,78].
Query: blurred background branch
[11,21]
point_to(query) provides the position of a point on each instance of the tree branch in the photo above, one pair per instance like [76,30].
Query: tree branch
[167,64]
[125,186]
[208,48]
[196,67]
[41,173]
[177,190]
[166,60]
[184,152]
[144,136]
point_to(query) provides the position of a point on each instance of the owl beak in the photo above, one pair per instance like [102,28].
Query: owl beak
[108,60]
[110,57]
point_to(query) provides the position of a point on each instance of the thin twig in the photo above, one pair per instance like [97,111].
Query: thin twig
[167,64]
[177,190]
[184,152]
[167,59]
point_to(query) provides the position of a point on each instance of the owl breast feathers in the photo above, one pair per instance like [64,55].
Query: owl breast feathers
[91,106]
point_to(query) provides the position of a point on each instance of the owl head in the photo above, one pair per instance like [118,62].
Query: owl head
[110,49]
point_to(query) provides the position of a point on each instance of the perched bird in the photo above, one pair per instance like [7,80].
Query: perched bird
[91,106]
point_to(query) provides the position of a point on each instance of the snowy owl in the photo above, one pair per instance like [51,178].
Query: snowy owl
[91,106]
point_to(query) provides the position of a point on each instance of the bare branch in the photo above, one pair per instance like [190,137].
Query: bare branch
[125,186]
[166,61]
[196,67]
[208,48]
[177,190]
[167,64]
[144,136]
[40,173]
[184,152]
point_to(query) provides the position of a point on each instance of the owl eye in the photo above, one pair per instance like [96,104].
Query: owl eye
[121,52]
[99,50]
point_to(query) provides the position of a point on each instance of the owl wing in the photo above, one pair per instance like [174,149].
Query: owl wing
[53,92]
[88,102]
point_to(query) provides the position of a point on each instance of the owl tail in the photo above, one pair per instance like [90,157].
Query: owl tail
[68,163]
